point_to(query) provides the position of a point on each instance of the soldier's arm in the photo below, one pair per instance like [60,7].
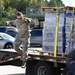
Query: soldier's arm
[28,20]
[10,23]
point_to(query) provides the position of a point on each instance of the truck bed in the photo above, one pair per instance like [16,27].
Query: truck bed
[7,55]
[39,54]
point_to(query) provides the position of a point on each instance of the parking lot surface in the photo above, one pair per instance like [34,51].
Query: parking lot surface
[11,70]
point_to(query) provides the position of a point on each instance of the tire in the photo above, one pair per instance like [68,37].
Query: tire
[57,71]
[42,68]
[30,68]
[66,71]
[8,46]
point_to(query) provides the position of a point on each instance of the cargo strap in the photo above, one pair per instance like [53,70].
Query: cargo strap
[56,38]
[56,35]
[71,28]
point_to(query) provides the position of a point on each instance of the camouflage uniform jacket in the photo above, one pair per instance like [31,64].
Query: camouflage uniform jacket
[23,28]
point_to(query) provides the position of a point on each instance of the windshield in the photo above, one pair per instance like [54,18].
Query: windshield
[36,33]
[12,29]
[6,36]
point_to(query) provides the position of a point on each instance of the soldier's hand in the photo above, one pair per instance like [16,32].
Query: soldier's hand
[27,21]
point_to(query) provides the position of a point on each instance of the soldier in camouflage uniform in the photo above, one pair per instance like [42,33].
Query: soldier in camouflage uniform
[23,25]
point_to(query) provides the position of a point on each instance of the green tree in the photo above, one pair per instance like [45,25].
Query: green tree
[5,4]
[18,5]
[21,5]
[54,3]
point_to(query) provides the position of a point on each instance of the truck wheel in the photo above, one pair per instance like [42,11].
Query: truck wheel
[29,68]
[66,71]
[58,71]
[42,68]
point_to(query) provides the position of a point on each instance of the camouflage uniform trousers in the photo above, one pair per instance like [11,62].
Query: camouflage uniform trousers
[24,42]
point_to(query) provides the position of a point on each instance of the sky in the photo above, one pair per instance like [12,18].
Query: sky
[68,2]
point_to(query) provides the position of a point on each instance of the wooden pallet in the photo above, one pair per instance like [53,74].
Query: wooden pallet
[51,53]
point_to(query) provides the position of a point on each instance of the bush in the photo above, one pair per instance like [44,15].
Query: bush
[12,16]
[3,20]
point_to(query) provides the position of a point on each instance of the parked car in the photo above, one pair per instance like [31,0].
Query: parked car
[9,30]
[36,38]
[6,41]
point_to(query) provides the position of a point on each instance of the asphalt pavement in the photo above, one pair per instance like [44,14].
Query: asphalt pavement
[12,68]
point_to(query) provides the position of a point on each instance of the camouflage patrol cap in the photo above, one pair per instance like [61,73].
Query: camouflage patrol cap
[19,14]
